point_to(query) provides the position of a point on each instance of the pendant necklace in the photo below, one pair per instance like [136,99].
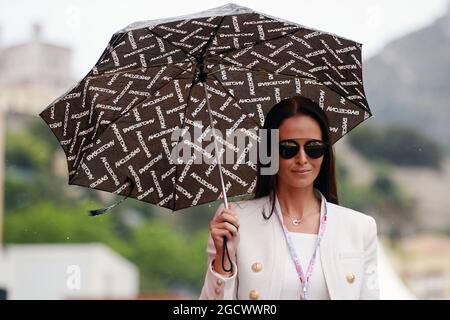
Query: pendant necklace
[296,222]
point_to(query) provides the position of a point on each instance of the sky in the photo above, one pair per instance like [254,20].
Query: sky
[87,26]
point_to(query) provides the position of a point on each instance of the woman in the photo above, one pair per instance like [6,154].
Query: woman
[293,240]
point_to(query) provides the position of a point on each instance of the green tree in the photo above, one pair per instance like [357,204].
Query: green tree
[47,222]
[168,258]
[26,152]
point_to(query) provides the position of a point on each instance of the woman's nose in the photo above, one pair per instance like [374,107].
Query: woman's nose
[301,156]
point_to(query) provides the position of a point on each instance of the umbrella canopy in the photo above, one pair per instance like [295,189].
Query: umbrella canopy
[160,76]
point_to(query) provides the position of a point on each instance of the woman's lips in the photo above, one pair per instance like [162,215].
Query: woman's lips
[301,172]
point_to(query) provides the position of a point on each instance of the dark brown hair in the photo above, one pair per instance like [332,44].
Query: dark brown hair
[326,180]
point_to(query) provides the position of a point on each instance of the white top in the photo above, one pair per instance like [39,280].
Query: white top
[304,244]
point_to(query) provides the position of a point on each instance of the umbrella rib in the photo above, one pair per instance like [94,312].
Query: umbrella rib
[141,68]
[243,111]
[181,127]
[275,38]
[186,52]
[216,30]
[109,48]
[165,40]
[258,70]
[118,72]
[213,74]
[187,105]
[289,75]
[257,43]
[118,118]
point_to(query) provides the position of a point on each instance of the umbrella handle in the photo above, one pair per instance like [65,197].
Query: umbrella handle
[225,249]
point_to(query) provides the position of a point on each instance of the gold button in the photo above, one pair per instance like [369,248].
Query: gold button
[350,278]
[257,267]
[219,282]
[254,295]
[217,290]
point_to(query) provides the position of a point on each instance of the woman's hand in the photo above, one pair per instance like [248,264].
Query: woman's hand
[225,224]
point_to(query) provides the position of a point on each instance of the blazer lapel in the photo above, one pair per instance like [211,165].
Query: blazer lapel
[327,253]
[279,250]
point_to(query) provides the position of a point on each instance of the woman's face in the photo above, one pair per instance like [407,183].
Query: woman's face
[306,128]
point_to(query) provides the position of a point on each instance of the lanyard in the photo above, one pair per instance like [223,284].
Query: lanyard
[304,278]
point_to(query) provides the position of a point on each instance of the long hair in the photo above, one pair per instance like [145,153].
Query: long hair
[326,179]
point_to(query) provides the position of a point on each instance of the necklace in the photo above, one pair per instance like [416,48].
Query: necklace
[296,222]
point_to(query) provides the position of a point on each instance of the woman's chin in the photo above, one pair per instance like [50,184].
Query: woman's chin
[300,183]
[301,178]
[297,181]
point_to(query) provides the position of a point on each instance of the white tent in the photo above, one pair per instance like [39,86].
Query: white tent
[391,286]
[66,271]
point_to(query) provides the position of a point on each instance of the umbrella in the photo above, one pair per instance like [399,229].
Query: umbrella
[222,69]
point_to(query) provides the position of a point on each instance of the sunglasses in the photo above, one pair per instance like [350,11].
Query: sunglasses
[313,148]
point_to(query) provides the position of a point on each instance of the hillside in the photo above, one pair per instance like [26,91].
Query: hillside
[427,186]
[408,82]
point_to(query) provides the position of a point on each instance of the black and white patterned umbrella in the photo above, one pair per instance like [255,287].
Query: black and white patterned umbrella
[155,77]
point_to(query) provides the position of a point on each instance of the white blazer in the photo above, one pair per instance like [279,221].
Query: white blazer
[348,253]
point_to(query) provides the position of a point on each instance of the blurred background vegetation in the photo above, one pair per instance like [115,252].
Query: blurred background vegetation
[402,146]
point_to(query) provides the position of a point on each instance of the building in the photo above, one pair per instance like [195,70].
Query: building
[33,74]
[36,63]
[66,271]
[423,262]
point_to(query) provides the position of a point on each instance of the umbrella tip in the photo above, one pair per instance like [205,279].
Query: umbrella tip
[93,213]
